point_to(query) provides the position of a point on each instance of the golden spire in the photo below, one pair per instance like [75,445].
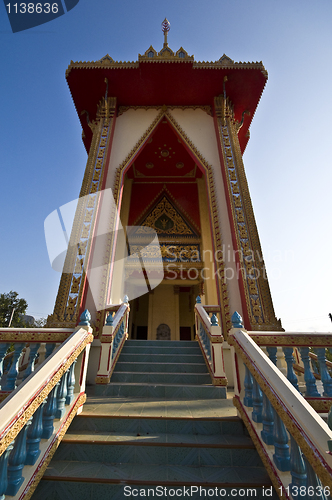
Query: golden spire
[165,27]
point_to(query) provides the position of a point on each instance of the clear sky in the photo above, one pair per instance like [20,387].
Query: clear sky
[287,160]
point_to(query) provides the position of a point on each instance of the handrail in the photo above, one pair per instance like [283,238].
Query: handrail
[113,336]
[210,339]
[268,404]
[36,415]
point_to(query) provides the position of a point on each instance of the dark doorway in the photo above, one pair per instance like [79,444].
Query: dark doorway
[185,333]
[142,333]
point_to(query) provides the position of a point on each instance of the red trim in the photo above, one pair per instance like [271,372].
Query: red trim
[237,372]
[101,188]
[54,439]
[233,230]
[82,367]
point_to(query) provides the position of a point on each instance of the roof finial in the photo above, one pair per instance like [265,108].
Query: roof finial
[165,26]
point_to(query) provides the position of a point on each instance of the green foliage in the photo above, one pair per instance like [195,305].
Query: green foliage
[9,301]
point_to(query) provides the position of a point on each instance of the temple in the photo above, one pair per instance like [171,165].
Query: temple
[166,134]
[163,370]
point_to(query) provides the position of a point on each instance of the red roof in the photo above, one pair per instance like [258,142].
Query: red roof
[166,79]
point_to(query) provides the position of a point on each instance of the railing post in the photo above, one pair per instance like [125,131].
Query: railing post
[281,456]
[10,384]
[32,358]
[324,373]
[257,402]
[49,413]
[297,466]
[34,436]
[308,376]
[61,398]
[71,383]
[313,484]
[16,462]
[268,421]
[248,386]
[3,471]
[288,351]
[49,348]
[272,352]
[3,351]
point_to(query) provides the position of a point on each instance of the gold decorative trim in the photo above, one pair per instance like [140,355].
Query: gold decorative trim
[320,405]
[269,466]
[37,336]
[292,339]
[315,459]
[57,440]
[207,109]
[12,431]
[71,286]
[255,284]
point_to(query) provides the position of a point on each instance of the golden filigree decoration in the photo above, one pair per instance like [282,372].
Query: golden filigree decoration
[71,284]
[165,219]
[292,339]
[269,466]
[258,298]
[33,483]
[312,455]
[17,424]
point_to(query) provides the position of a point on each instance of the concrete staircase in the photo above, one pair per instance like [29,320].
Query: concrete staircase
[159,424]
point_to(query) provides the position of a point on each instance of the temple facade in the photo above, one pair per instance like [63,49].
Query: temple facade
[165,213]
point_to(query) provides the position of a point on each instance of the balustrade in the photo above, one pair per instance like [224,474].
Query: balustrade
[289,435]
[210,338]
[113,337]
[35,415]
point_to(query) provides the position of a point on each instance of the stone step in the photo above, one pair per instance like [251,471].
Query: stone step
[161,358]
[227,427]
[108,489]
[162,378]
[163,343]
[123,366]
[160,391]
[158,349]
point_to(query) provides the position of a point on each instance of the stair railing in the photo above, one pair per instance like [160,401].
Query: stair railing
[210,339]
[291,438]
[36,415]
[113,337]
[25,346]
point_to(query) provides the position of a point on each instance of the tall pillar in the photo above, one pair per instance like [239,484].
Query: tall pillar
[254,287]
[73,285]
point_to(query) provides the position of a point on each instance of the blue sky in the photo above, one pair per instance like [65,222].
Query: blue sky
[287,159]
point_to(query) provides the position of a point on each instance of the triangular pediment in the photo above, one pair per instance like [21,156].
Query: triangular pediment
[166,220]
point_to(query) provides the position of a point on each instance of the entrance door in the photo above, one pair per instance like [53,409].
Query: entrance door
[185,333]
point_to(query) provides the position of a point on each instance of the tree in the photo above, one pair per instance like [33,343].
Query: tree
[8,302]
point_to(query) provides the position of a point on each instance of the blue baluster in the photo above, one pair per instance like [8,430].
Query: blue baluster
[10,383]
[49,413]
[237,321]
[85,318]
[308,376]
[257,402]
[3,351]
[16,462]
[71,383]
[248,384]
[268,421]
[297,466]
[214,320]
[61,397]
[281,455]
[34,436]
[3,470]
[314,483]
[324,374]
[32,358]
[288,351]
[272,352]
[109,320]
[49,348]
